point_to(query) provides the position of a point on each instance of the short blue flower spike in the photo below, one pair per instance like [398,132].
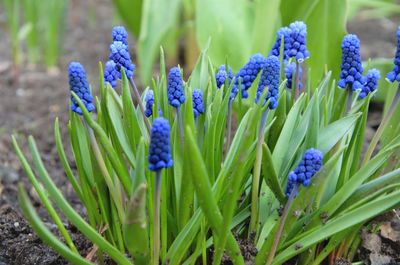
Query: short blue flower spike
[290,73]
[270,78]
[198,105]
[284,33]
[394,75]
[351,68]
[120,55]
[111,74]
[371,82]
[297,46]
[120,34]
[176,96]
[159,149]
[79,84]
[247,75]
[309,165]
[149,98]
[220,76]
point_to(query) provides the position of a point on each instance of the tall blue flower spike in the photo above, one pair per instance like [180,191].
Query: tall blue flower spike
[290,73]
[198,105]
[120,55]
[394,75]
[298,36]
[276,48]
[120,34]
[371,82]
[111,74]
[79,84]
[176,96]
[247,75]
[309,165]
[159,149]
[149,98]
[351,68]
[270,78]
[221,75]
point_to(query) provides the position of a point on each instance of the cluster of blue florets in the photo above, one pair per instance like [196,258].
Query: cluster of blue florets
[284,33]
[221,76]
[159,149]
[394,75]
[351,68]
[290,73]
[247,74]
[176,96]
[79,85]
[149,99]
[120,34]
[371,82]
[309,165]
[198,105]
[297,47]
[270,79]
[119,57]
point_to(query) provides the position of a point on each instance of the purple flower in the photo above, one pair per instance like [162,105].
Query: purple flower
[79,85]
[159,149]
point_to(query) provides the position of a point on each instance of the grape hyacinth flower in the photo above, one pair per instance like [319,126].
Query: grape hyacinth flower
[351,67]
[160,150]
[309,165]
[270,78]
[247,75]
[297,47]
[394,75]
[276,48]
[149,98]
[176,96]
[290,73]
[221,75]
[111,74]
[120,34]
[371,82]
[79,85]
[198,105]
[120,55]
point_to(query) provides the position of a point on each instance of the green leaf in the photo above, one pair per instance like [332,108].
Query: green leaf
[158,18]
[131,12]
[43,232]
[270,175]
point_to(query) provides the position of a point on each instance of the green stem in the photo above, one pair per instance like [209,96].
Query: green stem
[381,128]
[156,221]
[229,125]
[256,175]
[349,99]
[136,94]
[297,88]
[282,221]
[180,125]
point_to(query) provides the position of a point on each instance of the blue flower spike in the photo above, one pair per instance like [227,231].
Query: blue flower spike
[111,74]
[270,78]
[176,96]
[284,33]
[221,75]
[297,47]
[149,99]
[371,82]
[198,105]
[351,68]
[290,73]
[160,149]
[247,74]
[79,85]
[120,55]
[309,165]
[394,75]
[119,33]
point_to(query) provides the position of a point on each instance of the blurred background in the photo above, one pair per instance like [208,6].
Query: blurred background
[38,38]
